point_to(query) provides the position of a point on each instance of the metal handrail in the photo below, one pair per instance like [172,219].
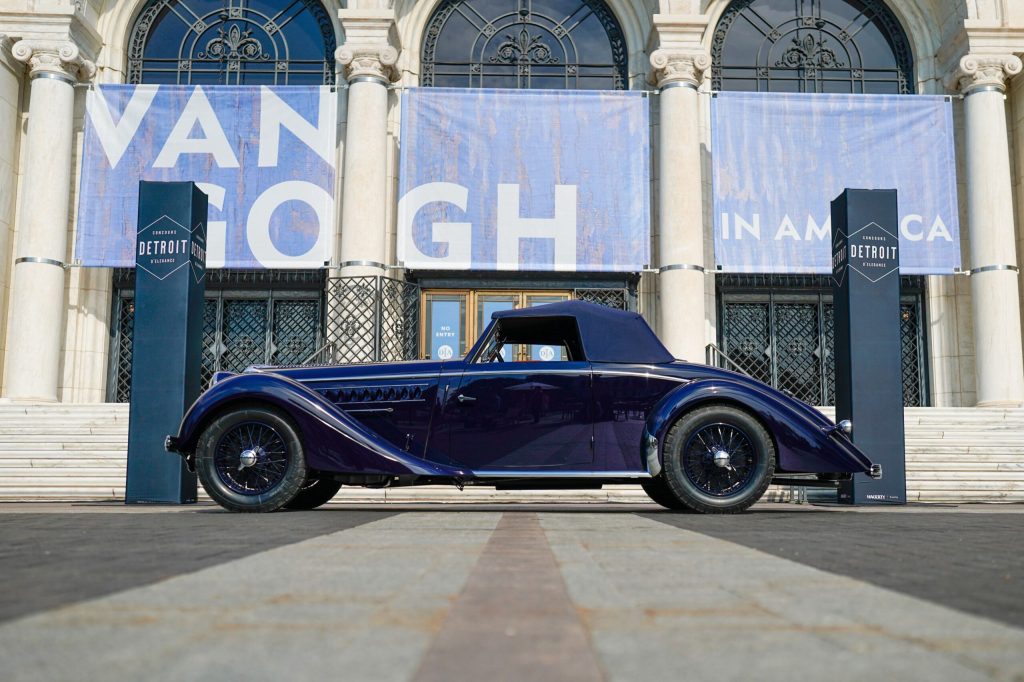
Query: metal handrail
[317,352]
[712,352]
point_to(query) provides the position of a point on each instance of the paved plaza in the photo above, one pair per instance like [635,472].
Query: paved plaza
[511,592]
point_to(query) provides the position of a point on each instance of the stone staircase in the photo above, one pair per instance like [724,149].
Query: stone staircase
[77,452]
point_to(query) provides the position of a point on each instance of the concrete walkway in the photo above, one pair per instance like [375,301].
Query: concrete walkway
[526,592]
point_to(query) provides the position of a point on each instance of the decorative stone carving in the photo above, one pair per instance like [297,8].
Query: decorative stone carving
[375,60]
[976,71]
[61,57]
[686,66]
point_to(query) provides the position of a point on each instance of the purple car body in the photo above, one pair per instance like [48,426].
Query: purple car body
[599,417]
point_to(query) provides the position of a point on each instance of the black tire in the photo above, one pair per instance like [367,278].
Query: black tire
[267,439]
[658,491]
[696,447]
[314,493]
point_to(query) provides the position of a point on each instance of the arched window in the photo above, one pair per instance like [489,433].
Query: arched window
[553,44]
[232,42]
[825,46]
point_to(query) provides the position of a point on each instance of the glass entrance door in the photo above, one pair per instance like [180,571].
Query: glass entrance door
[453,319]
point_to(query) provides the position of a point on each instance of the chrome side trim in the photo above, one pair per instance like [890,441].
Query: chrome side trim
[650,448]
[441,375]
[535,473]
[646,375]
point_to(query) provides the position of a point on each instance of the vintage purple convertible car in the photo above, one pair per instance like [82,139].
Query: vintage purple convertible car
[612,406]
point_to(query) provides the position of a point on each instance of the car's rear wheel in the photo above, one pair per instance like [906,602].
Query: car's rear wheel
[658,491]
[314,493]
[718,459]
[251,460]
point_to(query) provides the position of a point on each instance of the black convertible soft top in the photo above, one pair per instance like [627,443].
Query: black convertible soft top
[608,335]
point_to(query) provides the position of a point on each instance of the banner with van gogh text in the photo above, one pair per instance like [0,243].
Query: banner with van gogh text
[779,160]
[264,156]
[524,180]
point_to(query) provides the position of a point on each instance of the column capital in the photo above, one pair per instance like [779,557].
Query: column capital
[685,67]
[61,58]
[983,71]
[368,61]
[371,48]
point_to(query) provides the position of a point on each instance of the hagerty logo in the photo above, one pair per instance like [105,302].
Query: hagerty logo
[872,252]
[165,246]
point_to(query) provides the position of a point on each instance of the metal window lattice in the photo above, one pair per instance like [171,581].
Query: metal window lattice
[125,327]
[232,43]
[370,319]
[822,46]
[237,332]
[613,298]
[571,44]
[790,345]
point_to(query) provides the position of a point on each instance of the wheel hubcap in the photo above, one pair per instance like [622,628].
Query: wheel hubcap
[719,459]
[251,458]
[247,458]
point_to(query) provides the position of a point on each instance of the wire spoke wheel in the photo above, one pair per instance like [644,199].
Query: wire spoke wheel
[719,459]
[251,458]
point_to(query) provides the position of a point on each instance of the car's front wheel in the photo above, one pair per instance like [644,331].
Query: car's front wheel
[718,459]
[251,460]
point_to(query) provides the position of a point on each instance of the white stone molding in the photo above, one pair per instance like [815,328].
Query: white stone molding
[60,57]
[983,71]
[686,67]
[371,47]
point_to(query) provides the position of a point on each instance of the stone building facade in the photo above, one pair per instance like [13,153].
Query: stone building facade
[61,325]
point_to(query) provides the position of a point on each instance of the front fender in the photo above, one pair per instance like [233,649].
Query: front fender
[802,444]
[333,441]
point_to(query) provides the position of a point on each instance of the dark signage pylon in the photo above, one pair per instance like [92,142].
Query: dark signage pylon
[868,351]
[170,278]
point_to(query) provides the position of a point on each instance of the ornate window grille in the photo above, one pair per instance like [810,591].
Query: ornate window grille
[825,46]
[232,42]
[554,44]
[783,334]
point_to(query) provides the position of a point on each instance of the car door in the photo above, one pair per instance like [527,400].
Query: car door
[522,416]
[623,396]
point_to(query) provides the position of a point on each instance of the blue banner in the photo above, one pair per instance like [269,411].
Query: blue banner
[264,156]
[779,160]
[524,180]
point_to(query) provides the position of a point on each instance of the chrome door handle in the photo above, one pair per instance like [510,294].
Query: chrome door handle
[465,398]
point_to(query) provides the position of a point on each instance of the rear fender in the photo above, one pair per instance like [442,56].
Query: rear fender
[333,441]
[801,444]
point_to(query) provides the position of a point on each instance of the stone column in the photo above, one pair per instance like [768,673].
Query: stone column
[35,328]
[369,62]
[995,298]
[681,315]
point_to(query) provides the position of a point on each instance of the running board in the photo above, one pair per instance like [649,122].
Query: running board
[806,482]
[541,473]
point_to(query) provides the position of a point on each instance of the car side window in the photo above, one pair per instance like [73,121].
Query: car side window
[531,340]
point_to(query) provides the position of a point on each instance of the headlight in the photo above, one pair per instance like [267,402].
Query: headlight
[846,426]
